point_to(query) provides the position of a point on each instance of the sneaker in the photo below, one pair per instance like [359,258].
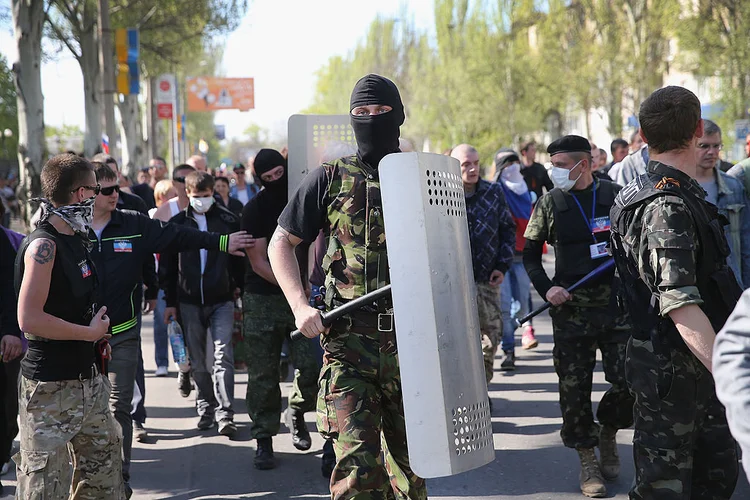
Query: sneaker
[328,462]
[264,459]
[161,371]
[528,340]
[184,384]
[227,427]
[509,363]
[205,422]
[298,429]
[139,433]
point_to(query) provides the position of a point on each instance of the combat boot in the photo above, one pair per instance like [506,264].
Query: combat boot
[608,457]
[264,459]
[592,482]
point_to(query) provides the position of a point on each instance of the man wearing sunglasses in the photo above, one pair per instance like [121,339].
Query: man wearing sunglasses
[123,241]
[728,194]
[127,201]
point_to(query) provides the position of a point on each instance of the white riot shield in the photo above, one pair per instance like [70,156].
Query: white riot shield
[448,424]
[314,139]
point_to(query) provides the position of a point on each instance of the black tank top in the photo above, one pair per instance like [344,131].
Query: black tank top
[72,297]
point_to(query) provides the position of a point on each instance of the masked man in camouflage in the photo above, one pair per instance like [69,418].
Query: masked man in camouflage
[574,219]
[671,254]
[360,389]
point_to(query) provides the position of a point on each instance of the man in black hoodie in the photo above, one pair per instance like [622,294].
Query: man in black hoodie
[202,283]
[268,321]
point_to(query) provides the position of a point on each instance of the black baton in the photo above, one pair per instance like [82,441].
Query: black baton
[348,308]
[593,274]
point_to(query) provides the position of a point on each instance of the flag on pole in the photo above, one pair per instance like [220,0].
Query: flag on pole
[105,143]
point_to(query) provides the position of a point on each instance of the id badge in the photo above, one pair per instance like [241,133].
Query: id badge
[598,250]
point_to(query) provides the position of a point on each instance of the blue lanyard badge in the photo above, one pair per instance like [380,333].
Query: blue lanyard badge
[588,221]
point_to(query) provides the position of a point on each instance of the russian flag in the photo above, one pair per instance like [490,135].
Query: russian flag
[105,143]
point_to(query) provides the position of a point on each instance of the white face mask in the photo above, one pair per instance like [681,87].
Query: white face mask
[202,205]
[561,177]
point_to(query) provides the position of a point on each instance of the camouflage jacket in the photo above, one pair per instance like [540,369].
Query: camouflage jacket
[356,260]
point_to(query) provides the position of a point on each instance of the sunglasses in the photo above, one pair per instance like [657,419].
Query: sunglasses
[717,147]
[107,191]
[181,180]
[96,189]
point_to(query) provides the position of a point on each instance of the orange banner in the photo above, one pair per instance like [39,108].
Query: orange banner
[205,93]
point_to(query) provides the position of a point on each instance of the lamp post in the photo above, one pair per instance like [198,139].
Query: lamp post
[7,134]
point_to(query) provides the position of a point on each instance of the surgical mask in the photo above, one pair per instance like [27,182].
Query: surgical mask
[202,205]
[561,177]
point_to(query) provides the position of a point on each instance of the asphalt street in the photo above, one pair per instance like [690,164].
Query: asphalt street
[180,462]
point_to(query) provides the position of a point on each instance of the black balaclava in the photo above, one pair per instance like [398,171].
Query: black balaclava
[265,161]
[377,135]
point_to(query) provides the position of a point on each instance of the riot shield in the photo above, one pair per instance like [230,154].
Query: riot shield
[448,424]
[314,139]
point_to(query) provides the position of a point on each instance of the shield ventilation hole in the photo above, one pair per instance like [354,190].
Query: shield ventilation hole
[472,428]
[446,191]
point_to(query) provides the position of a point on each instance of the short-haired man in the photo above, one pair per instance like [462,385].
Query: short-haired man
[127,201]
[729,195]
[493,235]
[63,393]
[534,173]
[241,190]
[157,167]
[634,164]
[123,241]
[203,283]
[143,189]
[198,162]
[574,218]
[672,257]
[619,150]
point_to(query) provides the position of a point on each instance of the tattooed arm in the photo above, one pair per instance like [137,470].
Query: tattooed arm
[286,270]
[38,262]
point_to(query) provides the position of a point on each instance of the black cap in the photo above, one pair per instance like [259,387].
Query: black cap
[570,144]
[505,156]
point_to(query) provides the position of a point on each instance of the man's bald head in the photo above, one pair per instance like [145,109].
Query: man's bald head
[197,162]
[468,157]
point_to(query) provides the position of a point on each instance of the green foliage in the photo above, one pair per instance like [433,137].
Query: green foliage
[494,73]
[8,105]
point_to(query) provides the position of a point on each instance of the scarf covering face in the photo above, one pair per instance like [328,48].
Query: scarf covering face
[513,179]
[377,135]
[79,216]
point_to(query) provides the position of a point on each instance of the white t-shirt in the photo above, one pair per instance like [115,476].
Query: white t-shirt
[242,195]
[203,226]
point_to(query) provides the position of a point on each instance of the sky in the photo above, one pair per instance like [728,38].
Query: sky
[280,43]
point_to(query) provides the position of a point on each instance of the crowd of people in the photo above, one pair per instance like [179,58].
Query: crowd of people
[232,261]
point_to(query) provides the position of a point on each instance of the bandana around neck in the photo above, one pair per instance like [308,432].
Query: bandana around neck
[79,216]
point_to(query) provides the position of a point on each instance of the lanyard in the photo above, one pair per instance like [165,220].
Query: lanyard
[593,211]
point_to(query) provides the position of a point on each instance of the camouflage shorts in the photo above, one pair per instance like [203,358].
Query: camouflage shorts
[490,324]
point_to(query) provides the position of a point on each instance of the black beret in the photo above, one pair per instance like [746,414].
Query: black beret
[570,144]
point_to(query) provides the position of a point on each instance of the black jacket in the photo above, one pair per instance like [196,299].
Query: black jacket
[182,272]
[8,301]
[145,193]
[235,206]
[127,242]
[128,201]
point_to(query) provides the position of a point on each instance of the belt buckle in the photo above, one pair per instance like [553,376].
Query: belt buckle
[385,322]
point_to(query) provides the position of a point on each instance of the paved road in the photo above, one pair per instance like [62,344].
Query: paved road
[180,462]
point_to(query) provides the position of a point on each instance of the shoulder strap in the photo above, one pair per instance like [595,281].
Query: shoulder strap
[558,198]
[746,177]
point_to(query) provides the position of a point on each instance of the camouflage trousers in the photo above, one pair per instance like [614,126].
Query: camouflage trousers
[682,445]
[490,325]
[360,408]
[267,323]
[578,332]
[63,419]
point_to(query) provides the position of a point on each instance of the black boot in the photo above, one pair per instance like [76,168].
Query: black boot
[264,459]
[297,427]
[328,462]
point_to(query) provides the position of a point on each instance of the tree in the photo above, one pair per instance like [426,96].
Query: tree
[716,34]
[8,108]
[72,24]
[28,22]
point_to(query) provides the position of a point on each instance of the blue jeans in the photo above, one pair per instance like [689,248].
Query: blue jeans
[516,286]
[215,385]
[161,340]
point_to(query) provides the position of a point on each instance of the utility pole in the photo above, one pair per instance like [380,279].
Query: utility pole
[107,76]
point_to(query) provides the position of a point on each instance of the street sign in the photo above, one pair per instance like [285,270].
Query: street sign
[165,95]
[205,93]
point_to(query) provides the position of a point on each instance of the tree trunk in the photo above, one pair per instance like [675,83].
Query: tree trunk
[89,62]
[28,20]
[131,136]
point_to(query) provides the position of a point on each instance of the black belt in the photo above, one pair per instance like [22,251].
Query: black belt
[86,374]
[367,322]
